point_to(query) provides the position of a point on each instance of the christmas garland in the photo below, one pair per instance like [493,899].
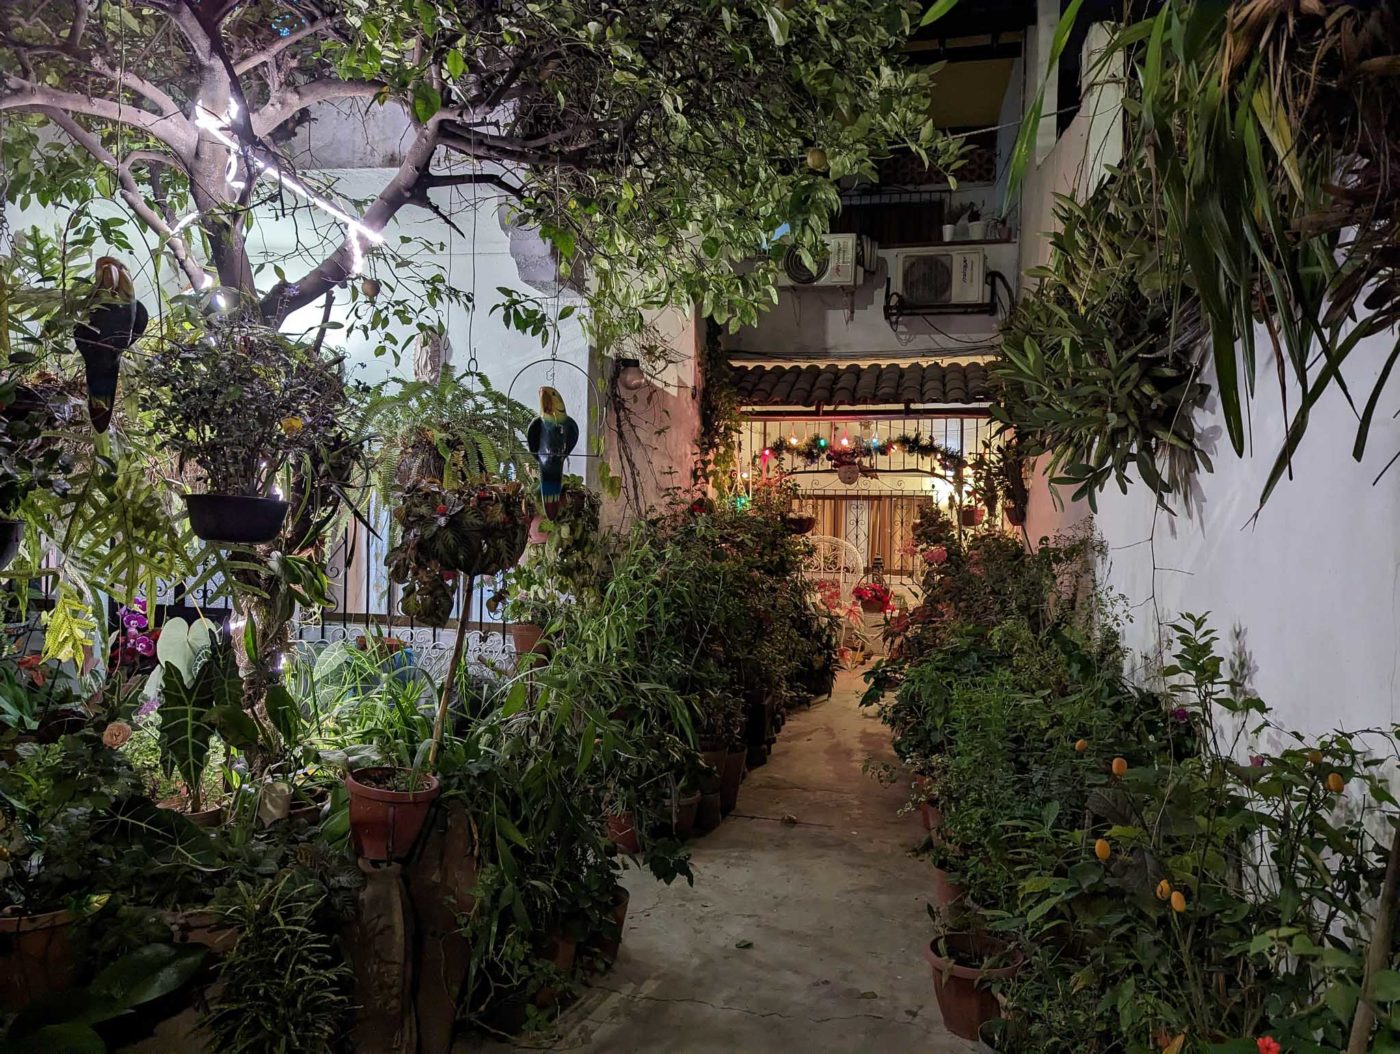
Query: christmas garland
[814,448]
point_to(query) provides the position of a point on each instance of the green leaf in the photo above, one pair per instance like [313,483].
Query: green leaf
[70,1038]
[148,973]
[284,713]
[937,11]
[426,102]
[1384,986]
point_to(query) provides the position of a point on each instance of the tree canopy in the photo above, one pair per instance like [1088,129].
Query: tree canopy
[659,143]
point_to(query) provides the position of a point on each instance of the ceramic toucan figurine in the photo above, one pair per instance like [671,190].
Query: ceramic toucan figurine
[551,439]
[115,318]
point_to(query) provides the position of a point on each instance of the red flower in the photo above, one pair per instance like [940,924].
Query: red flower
[1269,1045]
[31,664]
[442,510]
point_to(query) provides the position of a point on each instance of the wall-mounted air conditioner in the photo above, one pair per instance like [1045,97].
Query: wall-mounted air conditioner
[936,277]
[848,259]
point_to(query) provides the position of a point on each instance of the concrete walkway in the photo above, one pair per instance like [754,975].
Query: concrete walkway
[803,931]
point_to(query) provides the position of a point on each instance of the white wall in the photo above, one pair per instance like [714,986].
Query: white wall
[1314,582]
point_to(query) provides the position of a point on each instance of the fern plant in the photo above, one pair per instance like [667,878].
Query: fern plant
[454,430]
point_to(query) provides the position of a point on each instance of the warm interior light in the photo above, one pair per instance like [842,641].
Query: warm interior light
[630,375]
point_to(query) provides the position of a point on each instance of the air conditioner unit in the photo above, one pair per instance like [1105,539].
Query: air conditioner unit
[935,277]
[847,261]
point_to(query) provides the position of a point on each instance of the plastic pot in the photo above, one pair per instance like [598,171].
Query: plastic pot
[559,951]
[729,780]
[1015,515]
[962,983]
[236,519]
[946,892]
[714,770]
[622,832]
[36,957]
[385,824]
[798,524]
[11,538]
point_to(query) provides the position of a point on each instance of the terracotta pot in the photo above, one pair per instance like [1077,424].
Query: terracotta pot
[972,516]
[528,639]
[236,519]
[622,832]
[710,814]
[559,951]
[36,957]
[687,807]
[946,892]
[873,607]
[11,538]
[202,927]
[385,824]
[961,982]
[211,817]
[730,778]
[609,942]
[933,821]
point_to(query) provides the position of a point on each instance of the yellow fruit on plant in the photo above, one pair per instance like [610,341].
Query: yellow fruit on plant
[1164,889]
[1081,746]
[370,288]
[1314,757]
[816,159]
[1103,850]
[1178,901]
[1120,766]
[1335,783]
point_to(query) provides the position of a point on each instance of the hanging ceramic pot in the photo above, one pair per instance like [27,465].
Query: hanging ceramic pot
[236,519]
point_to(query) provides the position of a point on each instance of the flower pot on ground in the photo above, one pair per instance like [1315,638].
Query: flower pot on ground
[710,813]
[965,965]
[388,808]
[945,892]
[558,952]
[687,808]
[236,519]
[622,832]
[608,941]
[713,770]
[37,957]
[730,779]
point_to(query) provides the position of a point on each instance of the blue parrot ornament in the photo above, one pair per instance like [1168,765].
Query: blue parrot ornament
[551,439]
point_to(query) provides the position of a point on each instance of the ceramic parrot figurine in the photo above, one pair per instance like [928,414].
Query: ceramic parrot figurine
[115,318]
[551,439]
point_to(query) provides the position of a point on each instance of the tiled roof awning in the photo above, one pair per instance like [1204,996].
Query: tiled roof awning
[838,384]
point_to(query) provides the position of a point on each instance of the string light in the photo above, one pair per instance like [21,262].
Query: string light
[355,231]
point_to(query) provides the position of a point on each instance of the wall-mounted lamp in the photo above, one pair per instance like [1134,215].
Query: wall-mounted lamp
[630,375]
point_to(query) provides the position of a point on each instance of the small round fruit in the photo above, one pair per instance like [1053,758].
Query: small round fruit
[816,159]
[1081,745]
[1335,783]
[1314,757]
[1120,766]
[1103,850]
[370,287]
[1164,890]
[1178,901]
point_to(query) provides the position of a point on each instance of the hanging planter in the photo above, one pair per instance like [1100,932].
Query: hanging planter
[972,516]
[799,523]
[236,519]
[388,808]
[1015,515]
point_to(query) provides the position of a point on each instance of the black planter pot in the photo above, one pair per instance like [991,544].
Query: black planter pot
[11,537]
[109,330]
[236,519]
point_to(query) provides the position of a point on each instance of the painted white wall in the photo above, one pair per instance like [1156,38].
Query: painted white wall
[1313,582]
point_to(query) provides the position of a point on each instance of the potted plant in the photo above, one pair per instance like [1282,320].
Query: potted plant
[965,965]
[388,809]
[874,597]
[799,522]
[239,404]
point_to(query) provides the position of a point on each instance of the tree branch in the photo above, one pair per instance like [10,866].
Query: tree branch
[130,193]
[285,297]
[171,129]
[267,54]
[289,103]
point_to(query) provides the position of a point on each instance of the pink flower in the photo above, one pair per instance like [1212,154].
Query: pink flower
[938,555]
[1257,760]
[1180,715]
[1269,1045]
[116,734]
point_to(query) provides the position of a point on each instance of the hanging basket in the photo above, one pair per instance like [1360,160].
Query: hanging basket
[11,538]
[236,519]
